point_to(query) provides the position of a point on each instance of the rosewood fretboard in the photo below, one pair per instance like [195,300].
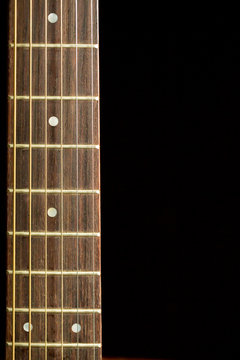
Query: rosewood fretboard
[53,258]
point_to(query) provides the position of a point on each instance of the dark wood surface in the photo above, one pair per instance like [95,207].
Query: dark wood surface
[78,125]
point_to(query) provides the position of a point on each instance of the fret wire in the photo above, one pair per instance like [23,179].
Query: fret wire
[56,311]
[14,178]
[30,177]
[54,146]
[42,233]
[83,46]
[46,177]
[57,345]
[61,110]
[52,272]
[42,97]
[55,191]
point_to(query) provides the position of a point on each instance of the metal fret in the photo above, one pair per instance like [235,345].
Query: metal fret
[56,311]
[49,272]
[55,191]
[26,45]
[43,233]
[57,345]
[26,97]
[54,146]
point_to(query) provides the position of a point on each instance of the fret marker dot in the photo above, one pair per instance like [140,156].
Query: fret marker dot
[26,327]
[53,121]
[76,328]
[52,212]
[52,18]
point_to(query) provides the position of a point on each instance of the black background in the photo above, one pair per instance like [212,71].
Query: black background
[170,89]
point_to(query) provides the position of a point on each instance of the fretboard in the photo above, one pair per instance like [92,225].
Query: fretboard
[53,256]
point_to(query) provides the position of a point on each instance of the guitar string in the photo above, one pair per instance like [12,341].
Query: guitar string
[30,179]
[46,182]
[61,111]
[14,179]
[93,176]
[77,175]
[98,136]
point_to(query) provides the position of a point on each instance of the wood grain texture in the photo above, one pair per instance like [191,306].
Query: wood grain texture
[56,168]
[84,26]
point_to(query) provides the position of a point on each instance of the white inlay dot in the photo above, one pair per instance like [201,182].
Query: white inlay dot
[52,212]
[52,18]
[53,121]
[26,327]
[76,328]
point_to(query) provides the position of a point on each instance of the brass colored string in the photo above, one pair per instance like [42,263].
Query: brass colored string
[46,182]
[14,179]
[98,137]
[30,180]
[77,212]
[62,229]
[93,176]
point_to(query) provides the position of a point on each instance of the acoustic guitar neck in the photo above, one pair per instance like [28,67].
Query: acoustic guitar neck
[53,239]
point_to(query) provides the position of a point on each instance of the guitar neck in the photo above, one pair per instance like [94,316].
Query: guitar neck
[53,242]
